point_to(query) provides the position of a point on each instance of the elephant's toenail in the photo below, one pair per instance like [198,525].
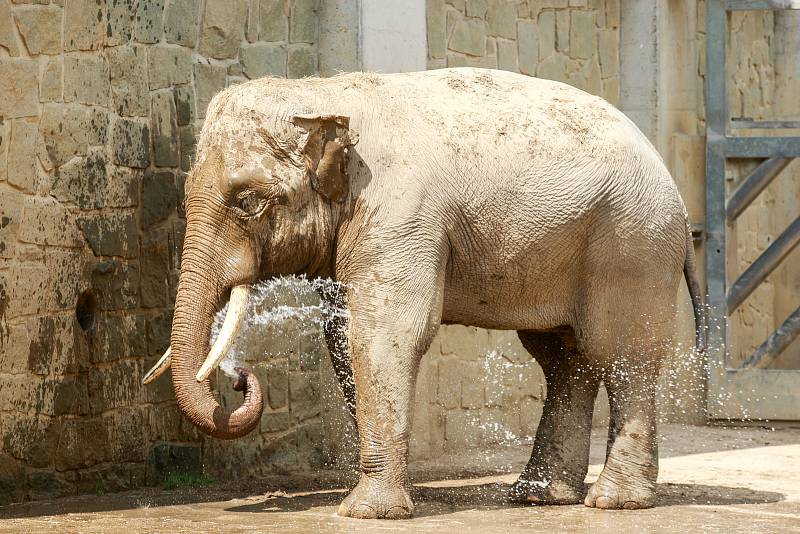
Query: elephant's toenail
[603,502]
[631,505]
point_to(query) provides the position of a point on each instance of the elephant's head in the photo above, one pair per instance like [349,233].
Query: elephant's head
[262,200]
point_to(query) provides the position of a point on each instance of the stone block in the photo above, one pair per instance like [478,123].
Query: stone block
[45,221]
[185,104]
[45,484]
[553,68]
[502,19]
[32,439]
[188,143]
[273,20]
[8,38]
[148,24]
[469,37]
[129,84]
[276,421]
[159,197]
[10,212]
[507,58]
[114,386]
[263,59]
[51,83]
[49,282]
[472,384]
[547,34]
[159,328]
[304,395]
[154,265]
[180,22]
[168,65]
[612,14]
[436,29]
[562,30]
[165,421]
[12,480]
[461,429]
[209,80]
[251,31]
[223,29]
[608,48]
[81,443]
[84,25]
[111,234]
[91,183]
[19,85]
[56,346]
[476,8]
[528,47]
[65,396]
[121,14]
[277,374]
[166,458]
[301,62]
[65,131]
[448,390]
[5,140]
[610,88]
[21,160]
[165,129]
[40,27]
[582,34]
[303,21]
[463,341]
[130,142]
[86,79]
[127,441]
[118,336]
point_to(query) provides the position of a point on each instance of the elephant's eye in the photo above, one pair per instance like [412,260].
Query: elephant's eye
[249,203]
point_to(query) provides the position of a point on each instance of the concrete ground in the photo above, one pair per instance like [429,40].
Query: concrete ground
[711,480]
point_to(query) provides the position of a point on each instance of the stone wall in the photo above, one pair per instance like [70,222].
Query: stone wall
[100,103]
[573,41]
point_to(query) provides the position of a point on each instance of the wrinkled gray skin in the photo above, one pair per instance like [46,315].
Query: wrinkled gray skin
[452,196]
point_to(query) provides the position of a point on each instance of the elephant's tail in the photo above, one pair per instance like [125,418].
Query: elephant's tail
[689,272]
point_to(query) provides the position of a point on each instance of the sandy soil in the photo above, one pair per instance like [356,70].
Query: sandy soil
[711,480]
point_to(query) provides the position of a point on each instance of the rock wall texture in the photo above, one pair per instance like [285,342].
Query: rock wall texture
[100,103]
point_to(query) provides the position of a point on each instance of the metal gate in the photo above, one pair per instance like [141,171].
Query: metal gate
[750,391]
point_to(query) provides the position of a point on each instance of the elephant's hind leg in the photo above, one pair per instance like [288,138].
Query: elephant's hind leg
[628,478]
[560,457]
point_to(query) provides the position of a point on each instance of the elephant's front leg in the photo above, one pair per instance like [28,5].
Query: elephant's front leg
[387,343]
[384,368]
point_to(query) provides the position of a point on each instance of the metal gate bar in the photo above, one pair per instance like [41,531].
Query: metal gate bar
[735,392]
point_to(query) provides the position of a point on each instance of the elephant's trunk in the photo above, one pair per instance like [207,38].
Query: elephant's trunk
[199,297]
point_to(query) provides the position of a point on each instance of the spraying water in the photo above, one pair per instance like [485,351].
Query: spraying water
[288,305]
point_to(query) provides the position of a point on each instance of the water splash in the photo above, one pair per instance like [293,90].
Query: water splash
[280,307]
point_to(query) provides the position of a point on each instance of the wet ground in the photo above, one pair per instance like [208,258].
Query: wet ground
[711,480]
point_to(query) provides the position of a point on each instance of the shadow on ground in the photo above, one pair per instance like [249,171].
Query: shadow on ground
[431,501]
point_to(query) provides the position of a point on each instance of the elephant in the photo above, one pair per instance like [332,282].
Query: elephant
[453,196]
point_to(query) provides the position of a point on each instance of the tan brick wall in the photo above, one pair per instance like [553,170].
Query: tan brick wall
[100,102]
[573,41]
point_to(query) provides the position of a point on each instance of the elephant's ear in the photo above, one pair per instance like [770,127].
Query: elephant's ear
[325,147]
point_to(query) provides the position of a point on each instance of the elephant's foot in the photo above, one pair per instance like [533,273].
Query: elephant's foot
[372,499]
[610,495]
[546,492]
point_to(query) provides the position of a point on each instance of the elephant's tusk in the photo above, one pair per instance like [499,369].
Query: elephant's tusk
[231,326]
[159,368]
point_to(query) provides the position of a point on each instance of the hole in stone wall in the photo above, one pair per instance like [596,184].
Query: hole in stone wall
[85,311]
